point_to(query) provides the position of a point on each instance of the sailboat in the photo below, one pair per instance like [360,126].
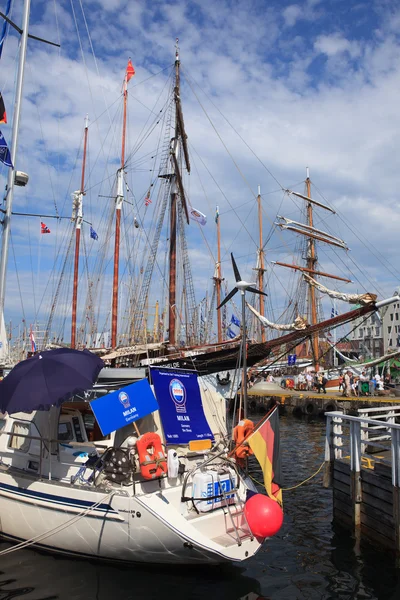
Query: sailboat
[70,485]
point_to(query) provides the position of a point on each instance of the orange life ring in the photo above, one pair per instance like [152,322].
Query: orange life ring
[152,460]
[240,432]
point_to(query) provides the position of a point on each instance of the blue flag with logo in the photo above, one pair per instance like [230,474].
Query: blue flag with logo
[235,321]
[5,155]
[231,334]
[126,405]
[93,234]
[181,408]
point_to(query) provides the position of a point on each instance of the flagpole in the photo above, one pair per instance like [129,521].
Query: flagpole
[78,208]
[335,358]
[14,144]
[217,278]
[118,207]
[244,350]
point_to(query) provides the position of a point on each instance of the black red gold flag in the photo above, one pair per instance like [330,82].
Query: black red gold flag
[3,114]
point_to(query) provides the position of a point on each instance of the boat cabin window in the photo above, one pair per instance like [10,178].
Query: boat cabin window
[65,433]
[2,424]
[20,443]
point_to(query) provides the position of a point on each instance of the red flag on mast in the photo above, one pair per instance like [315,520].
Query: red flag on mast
[130,71]
[44,228]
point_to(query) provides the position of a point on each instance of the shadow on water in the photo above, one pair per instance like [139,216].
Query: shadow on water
[39,576]
[309,559]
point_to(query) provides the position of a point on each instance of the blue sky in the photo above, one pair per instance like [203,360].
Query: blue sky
[312,83]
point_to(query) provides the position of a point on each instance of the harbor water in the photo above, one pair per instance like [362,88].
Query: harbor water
[309,559]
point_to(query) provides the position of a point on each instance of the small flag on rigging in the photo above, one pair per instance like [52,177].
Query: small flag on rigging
[216,214]
[44,228]
[235,321]
[198,216]
[3,114]
[32,338]
[5,156]
[5,28]
[147,200]
[130,71]
[334,313]
[93,234]
[231,334]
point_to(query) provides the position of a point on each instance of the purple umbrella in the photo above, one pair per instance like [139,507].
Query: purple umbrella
[48,379]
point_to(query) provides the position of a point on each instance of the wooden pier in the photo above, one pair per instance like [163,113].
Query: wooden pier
[362,464]
[314,404]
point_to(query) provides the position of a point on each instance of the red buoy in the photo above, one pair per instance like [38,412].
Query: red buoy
[264,516]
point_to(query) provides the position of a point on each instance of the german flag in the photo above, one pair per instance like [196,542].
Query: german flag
[265,444]
[3,115]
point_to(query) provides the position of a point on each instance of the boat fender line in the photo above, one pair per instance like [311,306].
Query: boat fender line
[240,433]
[152,460]
[224,380]
[46,534]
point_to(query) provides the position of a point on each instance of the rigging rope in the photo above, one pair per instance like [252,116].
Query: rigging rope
[42,536]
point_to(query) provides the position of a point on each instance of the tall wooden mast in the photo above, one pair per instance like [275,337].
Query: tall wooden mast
[260,263]
[217,277]
[78,215]
[311,263]
[313,234]
[176,189]
[118,207]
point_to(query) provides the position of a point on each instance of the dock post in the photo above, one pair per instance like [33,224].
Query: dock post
[355,467]
[329,456]
[395,450]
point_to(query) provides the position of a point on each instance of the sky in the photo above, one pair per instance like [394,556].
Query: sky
[268,89]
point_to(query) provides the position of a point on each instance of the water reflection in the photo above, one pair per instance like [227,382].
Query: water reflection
[38,576]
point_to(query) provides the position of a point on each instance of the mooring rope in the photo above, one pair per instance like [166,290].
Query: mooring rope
[46,534]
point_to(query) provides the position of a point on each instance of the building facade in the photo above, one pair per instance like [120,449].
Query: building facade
[391,326]
[367,336]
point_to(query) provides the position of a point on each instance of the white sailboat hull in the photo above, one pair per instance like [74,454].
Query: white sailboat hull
[146,528]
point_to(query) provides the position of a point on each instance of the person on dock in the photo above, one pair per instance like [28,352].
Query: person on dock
[309,382]
[341,382]
[364,379]
[347,385]
[301,381]
[322,381]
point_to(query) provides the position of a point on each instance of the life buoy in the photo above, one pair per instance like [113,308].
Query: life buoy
[240,432]
[152,460]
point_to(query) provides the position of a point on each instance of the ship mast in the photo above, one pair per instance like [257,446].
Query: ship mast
[311,263]
[118,207]
[260,263]
[78,215]
[312,233]
[6,222]
[217,277]
[176,189]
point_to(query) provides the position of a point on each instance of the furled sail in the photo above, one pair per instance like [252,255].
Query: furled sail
[352,298]
[298,324]
[4,358]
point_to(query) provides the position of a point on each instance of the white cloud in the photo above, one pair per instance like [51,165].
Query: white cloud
[340,120]
[291,14]
[334,44]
